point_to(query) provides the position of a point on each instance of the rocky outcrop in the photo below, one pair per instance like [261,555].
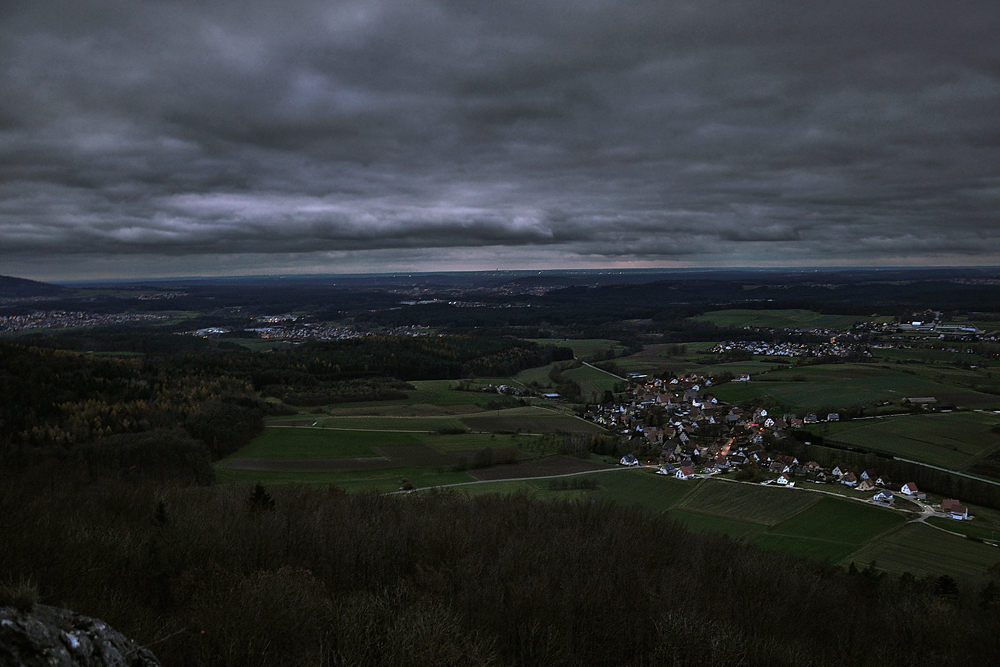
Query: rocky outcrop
[60,638]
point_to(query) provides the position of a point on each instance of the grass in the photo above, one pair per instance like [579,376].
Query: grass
[539,375]
[742,502]
[792,319]
[529,420]
[586,349]
[627,487]
[817,549]
[593,382]
[810,388]
[305,442]
[390,423]
[704,523]
[951,440]
[294,442]
[429,398]
[969,528]
[841,521]
[924,550]
[259,344]
[352,482]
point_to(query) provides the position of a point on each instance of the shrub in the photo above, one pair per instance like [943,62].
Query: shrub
[22,595]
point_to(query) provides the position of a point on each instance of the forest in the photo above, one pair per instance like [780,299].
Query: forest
[291,576]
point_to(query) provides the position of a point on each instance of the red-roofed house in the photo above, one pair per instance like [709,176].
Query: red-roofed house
[956,509]
[687,472]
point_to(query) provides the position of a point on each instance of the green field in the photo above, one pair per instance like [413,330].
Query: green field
[429,398]
[925,354]
[810,388]
[538,376]
[294,442]
[386,423]
[704,523]
[585,349]
[593,382]
[627,487]
[743,502]
[842,521]
[923,550]
[352,482]
[951,440]
[791,319]
[529,420]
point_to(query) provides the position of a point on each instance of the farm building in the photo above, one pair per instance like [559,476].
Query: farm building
[954,508]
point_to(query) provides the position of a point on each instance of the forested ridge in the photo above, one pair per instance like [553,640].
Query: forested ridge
[292,576]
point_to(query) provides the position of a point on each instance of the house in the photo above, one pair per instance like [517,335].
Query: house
[833,417]
[629,460]
[687,472]
[738,460]
[850,479]
[811,419]
[666,469]
[838,472]
[955,509]
[883,481]
[866,485]
[884,497]
[784,480]
[909,489]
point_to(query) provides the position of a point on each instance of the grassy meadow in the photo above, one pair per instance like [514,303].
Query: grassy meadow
[953,440]
[585,349]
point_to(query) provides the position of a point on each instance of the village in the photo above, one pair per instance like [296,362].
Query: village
[680,427]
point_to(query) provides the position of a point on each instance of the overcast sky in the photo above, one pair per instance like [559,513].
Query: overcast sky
[148,138]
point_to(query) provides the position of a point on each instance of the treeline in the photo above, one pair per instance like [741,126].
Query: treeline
[345,391]
[60,407]
[233,576]
[401,357]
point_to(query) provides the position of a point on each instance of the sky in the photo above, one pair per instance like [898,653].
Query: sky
[150,138]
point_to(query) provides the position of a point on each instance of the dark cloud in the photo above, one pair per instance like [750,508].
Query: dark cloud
[310,134]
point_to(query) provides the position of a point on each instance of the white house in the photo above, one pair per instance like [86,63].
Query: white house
[884,497]
[687,472]
[629,460]
[909,489]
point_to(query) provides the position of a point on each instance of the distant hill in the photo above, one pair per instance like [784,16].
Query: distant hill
[21,288]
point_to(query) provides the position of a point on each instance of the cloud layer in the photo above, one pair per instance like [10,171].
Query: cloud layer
[208,136]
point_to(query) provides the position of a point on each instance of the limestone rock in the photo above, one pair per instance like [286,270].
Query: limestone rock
[61,638]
